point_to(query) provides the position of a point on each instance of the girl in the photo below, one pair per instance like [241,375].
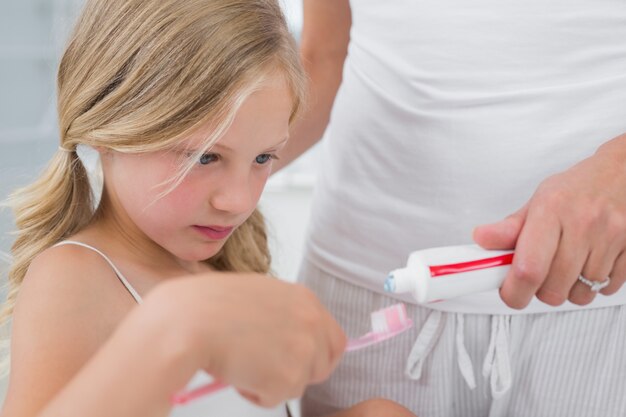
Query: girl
[187,103]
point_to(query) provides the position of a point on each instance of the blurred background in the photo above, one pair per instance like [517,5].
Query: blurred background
[32,36]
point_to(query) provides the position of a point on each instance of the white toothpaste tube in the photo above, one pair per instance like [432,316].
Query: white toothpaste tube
[451,271]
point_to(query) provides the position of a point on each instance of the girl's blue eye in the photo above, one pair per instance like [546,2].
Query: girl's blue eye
[263,158]
[207,158]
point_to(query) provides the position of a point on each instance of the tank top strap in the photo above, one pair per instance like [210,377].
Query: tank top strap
[119,274]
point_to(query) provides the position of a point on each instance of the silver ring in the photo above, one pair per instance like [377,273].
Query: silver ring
[595,286]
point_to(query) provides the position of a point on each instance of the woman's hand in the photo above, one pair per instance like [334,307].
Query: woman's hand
[268,338]
[574,225]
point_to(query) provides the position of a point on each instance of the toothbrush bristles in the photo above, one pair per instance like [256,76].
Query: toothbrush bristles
[389,319]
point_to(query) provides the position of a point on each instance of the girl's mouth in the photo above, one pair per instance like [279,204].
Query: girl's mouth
[214,232]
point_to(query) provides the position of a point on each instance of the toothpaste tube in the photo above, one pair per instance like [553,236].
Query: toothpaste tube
[451,271]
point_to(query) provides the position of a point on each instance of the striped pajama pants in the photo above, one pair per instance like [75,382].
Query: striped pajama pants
[535,365]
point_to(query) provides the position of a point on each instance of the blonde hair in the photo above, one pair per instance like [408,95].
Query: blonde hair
[137,76]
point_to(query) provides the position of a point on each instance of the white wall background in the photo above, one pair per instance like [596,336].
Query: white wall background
[32,35]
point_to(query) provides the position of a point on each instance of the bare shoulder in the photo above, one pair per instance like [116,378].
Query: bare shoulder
[68,305]
[72,283]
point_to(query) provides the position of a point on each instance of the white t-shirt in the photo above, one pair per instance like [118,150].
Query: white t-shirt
[449,115]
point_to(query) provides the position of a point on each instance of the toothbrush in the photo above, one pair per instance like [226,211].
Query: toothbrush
[184,397]
[386,323]
[442,273]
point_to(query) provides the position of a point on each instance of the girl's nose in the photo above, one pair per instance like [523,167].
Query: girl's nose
[233,196]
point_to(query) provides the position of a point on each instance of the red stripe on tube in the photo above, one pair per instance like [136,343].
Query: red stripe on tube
[438,270]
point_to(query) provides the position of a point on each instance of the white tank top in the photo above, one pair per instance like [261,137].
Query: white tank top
[450,114]
[226,402]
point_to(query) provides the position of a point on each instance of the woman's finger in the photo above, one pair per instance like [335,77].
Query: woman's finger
[535,249]
[566,266]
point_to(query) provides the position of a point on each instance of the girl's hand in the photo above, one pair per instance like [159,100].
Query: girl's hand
[268,338]
[574,225]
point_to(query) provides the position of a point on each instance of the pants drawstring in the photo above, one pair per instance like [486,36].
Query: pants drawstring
[426,340]
[497,364]
[463,358]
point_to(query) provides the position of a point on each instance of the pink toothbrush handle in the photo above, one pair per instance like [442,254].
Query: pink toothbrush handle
[361,342]
[185,397]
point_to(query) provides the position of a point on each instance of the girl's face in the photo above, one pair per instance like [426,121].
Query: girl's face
[193,221]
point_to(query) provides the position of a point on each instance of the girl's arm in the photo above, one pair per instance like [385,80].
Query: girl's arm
[134,374]
[323,49]
[78,351]
[71,356]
